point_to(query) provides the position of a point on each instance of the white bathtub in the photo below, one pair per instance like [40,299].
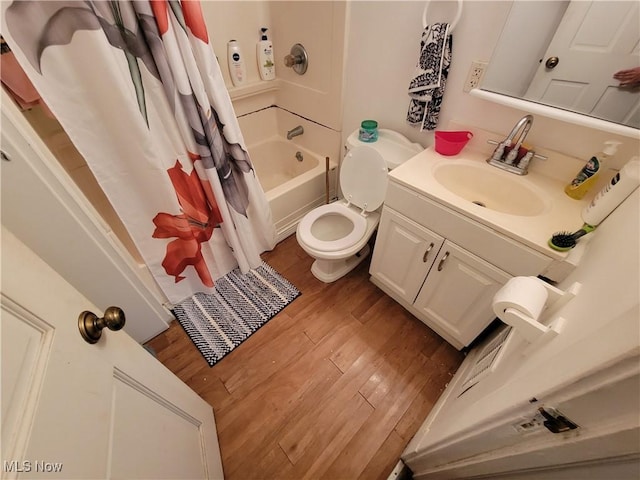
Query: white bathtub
[292,187]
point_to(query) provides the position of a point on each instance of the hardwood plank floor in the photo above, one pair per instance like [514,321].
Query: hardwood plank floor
[334,386]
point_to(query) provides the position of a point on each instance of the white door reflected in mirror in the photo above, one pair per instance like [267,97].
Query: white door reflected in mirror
[593,41]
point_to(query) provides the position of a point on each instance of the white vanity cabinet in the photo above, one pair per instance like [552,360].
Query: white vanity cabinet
[456,295]
[403,255]
[443,267]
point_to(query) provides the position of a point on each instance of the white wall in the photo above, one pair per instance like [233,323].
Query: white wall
[319,26]
[383,46]
[241,21]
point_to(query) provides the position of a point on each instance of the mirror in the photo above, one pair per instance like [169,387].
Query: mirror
[565,53]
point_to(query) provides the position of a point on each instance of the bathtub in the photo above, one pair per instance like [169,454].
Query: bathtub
[291,172]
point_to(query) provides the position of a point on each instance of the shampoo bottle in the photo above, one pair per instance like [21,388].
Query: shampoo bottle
[237,68]
[586,177]
[614,193]
[264,54]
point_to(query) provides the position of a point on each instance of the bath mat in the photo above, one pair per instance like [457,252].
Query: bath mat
[219,322]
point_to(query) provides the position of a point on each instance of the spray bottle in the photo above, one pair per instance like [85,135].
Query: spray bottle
[606,201]
[587,176]
[614,193]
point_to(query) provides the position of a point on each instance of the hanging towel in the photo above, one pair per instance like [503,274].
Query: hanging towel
[426,88]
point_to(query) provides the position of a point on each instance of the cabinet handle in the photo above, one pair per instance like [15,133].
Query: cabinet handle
[441,264]
[426,254]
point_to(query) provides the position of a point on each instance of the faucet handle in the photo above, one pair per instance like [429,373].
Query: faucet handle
[291,60]
[523,164]
[535,155]
[498,153]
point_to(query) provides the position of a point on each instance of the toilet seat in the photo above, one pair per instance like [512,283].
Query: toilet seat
[363,181]
[359,228]
[363,178]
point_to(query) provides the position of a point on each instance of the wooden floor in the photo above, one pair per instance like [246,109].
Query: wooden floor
[332,387]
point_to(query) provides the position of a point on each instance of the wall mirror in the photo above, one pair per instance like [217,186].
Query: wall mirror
[564,54]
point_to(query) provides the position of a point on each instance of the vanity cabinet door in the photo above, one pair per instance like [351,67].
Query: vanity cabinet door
[458,292]
[403,255]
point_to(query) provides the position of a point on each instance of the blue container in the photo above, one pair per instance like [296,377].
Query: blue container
[368,131]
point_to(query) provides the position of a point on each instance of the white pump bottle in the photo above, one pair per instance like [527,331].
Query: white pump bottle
[264,54]
[237,68]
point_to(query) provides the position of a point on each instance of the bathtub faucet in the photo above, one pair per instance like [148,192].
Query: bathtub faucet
[295,132]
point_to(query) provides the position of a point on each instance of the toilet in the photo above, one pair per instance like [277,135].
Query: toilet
[337,234]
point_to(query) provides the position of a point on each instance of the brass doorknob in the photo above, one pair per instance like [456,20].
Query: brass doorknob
[552,62]
[91,326]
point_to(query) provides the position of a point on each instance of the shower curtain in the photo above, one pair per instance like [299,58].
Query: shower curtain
[139,91]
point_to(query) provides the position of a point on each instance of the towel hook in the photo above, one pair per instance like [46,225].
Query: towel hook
[455,20]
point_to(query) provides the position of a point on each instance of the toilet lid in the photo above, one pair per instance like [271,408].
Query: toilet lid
[363,178]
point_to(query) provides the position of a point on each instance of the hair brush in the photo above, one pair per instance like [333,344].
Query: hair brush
[563,241]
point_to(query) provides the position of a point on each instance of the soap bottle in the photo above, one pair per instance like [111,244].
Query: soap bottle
[614,193]
[264,54]
[586,177]
[237,68]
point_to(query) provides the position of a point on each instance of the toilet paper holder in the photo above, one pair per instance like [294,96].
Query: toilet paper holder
[531,329]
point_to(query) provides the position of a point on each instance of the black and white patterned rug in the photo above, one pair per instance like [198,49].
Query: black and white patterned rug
[219,322]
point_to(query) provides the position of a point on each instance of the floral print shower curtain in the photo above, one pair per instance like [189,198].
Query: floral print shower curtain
[138,89]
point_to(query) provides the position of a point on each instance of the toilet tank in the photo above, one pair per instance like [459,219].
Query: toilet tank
[394,147]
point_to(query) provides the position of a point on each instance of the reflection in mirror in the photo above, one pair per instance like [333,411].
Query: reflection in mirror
[565,54]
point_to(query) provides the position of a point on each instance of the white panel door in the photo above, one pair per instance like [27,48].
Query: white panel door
[74,410]
[457,294]
[403,254]
[42,205]
[593,41]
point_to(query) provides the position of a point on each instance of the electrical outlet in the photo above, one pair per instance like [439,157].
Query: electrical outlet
[475,75]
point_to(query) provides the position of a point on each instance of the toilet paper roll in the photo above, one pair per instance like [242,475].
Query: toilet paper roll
[524,294]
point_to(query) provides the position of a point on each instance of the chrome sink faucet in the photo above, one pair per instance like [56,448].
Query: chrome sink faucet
[507,154]
[294,132]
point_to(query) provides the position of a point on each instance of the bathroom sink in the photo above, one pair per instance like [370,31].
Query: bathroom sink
[491,188]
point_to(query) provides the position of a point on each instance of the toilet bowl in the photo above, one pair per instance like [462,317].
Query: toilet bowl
[337,234]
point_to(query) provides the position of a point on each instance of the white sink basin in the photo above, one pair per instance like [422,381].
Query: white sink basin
[491,188]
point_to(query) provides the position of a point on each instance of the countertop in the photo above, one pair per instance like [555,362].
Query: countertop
[561,213]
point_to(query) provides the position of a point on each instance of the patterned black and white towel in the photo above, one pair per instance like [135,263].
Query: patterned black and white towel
[219,322]
[426,87]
